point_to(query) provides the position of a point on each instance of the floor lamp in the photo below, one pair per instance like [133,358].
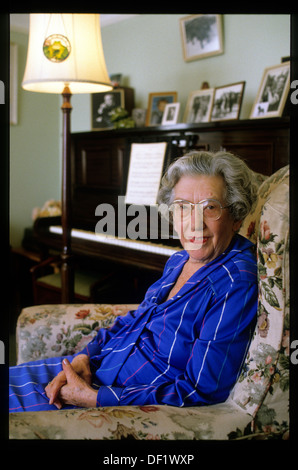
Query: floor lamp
[65,56]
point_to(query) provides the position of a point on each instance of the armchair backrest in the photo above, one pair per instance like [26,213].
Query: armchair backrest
[267,363]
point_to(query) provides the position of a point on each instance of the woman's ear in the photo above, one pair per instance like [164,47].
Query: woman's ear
[236,225]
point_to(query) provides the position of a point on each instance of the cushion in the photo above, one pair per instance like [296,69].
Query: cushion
[249,228]
[260,368]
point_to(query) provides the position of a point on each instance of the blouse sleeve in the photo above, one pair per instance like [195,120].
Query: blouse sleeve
[215,361]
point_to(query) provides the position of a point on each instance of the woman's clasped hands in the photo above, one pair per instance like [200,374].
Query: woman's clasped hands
[72,386]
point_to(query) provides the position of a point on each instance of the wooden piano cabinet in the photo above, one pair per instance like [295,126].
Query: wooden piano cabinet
[263,143]
[97,174]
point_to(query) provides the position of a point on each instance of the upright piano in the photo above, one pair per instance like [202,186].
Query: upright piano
[100,161]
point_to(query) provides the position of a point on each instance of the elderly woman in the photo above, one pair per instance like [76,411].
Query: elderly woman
[186,342]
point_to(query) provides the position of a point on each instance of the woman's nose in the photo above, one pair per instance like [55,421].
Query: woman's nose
[197,219]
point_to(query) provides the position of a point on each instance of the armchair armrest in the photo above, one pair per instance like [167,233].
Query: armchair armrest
[57,330]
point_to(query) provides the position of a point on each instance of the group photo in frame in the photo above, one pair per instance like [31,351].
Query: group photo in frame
[273,92]
[201,36]
[227,102]
[156,106]
[199,105]
[102,105]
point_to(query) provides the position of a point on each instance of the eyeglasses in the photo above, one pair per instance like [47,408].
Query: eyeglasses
[212,209]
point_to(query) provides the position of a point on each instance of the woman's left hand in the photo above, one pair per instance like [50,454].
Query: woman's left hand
[76,391]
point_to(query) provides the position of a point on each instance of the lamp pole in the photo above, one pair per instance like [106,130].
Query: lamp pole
[67,269]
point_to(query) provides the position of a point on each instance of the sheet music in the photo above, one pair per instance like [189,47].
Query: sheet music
[145,171]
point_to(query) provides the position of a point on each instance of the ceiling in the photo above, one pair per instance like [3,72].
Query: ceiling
[20,21]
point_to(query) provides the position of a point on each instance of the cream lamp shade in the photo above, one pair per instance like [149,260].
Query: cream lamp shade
[65,49]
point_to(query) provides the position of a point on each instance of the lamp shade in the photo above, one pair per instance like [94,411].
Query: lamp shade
[65,49]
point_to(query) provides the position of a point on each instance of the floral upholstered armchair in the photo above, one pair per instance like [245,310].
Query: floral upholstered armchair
[258,405]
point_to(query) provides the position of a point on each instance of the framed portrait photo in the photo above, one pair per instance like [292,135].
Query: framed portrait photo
[156,106]
[227,102]
[273,92]
[198,107]
[171,113]
[102,105]
[201,36]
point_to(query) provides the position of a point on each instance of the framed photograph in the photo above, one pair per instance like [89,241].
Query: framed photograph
[227,102]
[198,107]
[171,113]
[201,36]
[102,105]
[156,106]
[273,92]
[139,116]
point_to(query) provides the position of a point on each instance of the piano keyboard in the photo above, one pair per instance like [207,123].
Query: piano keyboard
[111,240]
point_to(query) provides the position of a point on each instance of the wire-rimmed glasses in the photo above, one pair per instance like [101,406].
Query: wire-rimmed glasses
[212,209]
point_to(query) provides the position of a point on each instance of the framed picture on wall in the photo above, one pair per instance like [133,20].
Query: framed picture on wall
[156,106]
[171,113]
[201,36]
[198,107]
[227,102]
[273,92]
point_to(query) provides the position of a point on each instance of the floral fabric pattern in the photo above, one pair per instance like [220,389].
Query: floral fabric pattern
[59,330]
[258,406]
[263,387]
[130,422]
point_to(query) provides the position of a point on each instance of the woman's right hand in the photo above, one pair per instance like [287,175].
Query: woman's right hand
[81,365]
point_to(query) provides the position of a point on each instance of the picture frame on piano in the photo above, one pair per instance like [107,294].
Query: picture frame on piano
[199,105]
[170,115]
[227,102]
[102,104]
[273,92]
[156,106]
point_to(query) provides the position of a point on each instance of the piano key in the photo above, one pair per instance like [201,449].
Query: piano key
[112,240]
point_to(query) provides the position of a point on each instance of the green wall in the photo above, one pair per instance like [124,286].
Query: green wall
[34,151]
[147,50]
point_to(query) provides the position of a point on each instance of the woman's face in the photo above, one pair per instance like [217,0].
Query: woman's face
[202,238]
